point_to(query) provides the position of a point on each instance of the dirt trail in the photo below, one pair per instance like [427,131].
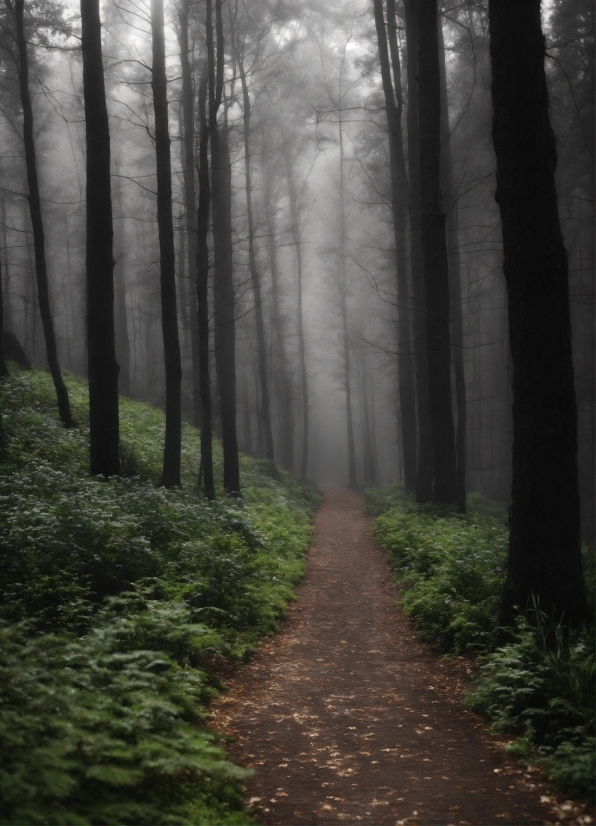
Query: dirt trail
[346,717]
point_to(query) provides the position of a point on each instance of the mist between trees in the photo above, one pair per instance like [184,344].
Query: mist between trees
[266,194]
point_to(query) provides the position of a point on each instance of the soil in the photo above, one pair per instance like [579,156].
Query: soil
[346,717]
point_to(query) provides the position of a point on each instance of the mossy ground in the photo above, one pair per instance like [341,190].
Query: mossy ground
[117,597]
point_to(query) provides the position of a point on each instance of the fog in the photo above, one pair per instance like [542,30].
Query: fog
[313,76]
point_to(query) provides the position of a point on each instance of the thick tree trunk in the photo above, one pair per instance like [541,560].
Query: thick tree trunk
[255,276]
[285,383]
[7,318]
[223,287]
[544,553]
[425,469]
[169,317]
[122,342]
[399,200]
[43,291]
[202,267]
[454,262]
[436,271]
[297,241]
[101,346]
[189,206]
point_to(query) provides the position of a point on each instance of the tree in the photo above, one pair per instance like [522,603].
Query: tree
[102,364]
[424,469]
[399,200]
[457,321]
[203,289]
[544,551]
[223,287]
[434,244]
[41,271]
[190,229]
[255,275]
[169,319]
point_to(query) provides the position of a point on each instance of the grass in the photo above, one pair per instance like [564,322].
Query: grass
[117,598]
[540,687]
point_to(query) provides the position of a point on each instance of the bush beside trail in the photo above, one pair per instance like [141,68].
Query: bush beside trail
[540,686]
[117,598]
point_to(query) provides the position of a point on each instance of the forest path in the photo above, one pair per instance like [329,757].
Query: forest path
[346,717]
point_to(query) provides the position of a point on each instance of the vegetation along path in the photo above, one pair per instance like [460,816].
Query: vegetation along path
[345,716]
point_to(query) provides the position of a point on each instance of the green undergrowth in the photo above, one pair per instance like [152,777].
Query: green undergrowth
[118,601]
[540,686]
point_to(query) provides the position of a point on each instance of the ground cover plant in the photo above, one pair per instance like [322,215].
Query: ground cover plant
[540,685]
[117,599]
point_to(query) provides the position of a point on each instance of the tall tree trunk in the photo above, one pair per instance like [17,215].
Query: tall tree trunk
[297,241]
[454,263]
[368,461]
[101,346]
[255,276]
[43,292]
[285,383]
[7,319]
[122,342]
[434,244]
[544,551]
[352,481]
[189,206]
[425,469]
[399,199]
[202,268]
[169,318]
[3,367]
[223,288]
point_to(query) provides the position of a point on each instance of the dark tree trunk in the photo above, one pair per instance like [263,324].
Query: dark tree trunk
[352,481]
[101,346]
[399,200]
[169,318]
[434,245]
[8,322]
[189,207]
[297,241]
[425,470]
[223,287]
[454,262]
[43,292]
[285,383]
[544,553]
[3,367]
[203,290]
[255,276]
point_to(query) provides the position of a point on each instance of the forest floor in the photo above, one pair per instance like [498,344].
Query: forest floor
[346,717]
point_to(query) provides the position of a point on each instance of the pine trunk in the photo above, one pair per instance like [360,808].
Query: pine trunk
[434,245]
[169,318]
[544,552]
[101,345]
[43,290]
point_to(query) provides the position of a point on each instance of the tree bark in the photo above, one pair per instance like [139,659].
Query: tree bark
[101,345]
[203,290]
[297,241]
[8,322]
[352,480]
[399,199]
[169,317]
[223,288]
[436,272]
[43,290]
[425,468]
[544,552]
[285,383]
[454,263]
[189,205]
[255,276]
